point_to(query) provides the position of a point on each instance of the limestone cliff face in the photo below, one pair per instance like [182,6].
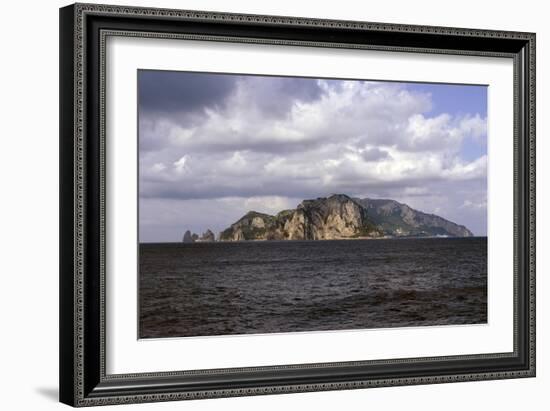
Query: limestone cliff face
[332,218]
[252,226]
[335,217]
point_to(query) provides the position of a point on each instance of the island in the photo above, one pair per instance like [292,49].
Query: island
[337,217]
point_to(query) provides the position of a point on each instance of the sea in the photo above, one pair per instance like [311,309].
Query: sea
[259,287]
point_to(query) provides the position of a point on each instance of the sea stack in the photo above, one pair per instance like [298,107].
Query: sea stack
[188,237]
[207,237]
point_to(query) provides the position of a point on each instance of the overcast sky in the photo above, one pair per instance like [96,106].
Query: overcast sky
[214,146]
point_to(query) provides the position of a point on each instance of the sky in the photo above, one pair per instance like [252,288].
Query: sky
[215,146]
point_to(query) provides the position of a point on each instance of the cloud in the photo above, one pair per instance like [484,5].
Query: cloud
[251,137]
[158,167]
[474,126]
[481,205]
[180,164]
[180,92]
[374,154]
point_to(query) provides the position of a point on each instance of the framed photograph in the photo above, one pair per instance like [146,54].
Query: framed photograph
[261,204]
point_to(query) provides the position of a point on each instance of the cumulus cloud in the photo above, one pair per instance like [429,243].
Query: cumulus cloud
[266,142]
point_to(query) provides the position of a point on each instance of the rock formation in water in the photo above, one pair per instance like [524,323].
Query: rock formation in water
[207,237]
[188,237]
[341,217]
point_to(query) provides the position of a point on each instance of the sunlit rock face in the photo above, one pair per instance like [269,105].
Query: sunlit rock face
[334,217]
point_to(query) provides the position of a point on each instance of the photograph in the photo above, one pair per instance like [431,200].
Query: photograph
[266,201]
[280,204]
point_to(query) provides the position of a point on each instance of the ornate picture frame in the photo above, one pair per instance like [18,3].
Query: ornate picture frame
[84,29]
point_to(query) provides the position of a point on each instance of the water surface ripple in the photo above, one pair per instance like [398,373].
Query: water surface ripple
[205,289]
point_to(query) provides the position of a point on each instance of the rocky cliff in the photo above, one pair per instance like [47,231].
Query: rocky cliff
[335,217]
[341,217]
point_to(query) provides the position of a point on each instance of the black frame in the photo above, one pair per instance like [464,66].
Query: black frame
[83,30]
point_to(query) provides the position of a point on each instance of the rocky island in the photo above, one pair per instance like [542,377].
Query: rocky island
[337,217]
[342,217]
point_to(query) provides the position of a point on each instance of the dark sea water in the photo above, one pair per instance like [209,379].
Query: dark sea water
[204,289]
